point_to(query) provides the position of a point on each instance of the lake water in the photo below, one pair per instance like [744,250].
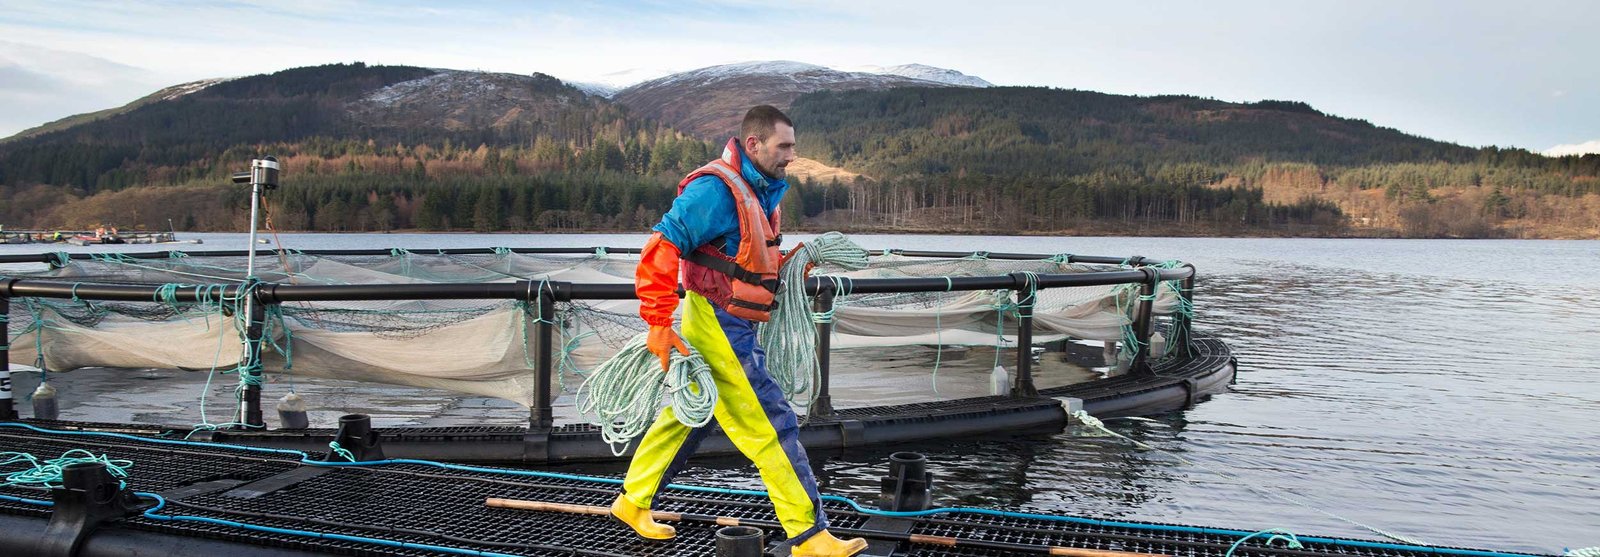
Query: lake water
[1442,390]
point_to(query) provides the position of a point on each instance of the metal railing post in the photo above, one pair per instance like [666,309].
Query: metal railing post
[823,406]
[1144,322]
[1025,298]
[8,411]
[541,416]
[253,332]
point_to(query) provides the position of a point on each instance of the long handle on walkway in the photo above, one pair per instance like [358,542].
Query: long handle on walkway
[879,534]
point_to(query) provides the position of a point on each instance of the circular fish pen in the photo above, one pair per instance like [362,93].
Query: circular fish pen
[1033,338]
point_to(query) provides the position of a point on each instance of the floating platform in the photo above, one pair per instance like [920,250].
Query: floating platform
[198,499]
[1172,384]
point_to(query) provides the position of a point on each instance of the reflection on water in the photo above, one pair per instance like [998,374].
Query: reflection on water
[1444,390]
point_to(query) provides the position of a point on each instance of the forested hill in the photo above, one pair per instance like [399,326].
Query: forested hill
[363,148]
[388,147]
[1034,156]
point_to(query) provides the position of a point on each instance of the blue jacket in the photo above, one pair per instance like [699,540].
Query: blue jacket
[705,211]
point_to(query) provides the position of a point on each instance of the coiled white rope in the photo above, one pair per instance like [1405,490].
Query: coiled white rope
[790,337]
[625,391]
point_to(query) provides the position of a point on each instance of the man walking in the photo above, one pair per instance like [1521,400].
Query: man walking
[724,230]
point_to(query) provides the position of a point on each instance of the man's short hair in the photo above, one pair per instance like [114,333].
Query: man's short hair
[761,121]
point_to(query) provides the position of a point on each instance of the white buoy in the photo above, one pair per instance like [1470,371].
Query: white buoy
[292,412]
[45,406]
[999,381]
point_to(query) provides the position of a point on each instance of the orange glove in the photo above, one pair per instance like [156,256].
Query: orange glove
[661,341]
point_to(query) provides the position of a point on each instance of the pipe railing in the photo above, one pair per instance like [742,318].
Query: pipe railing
[8,409]
[544,294]
[54,257]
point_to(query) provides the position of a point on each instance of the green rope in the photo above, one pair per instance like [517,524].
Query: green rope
[405,261]
[341,451]
[626,390]
[1278,534]
[569,344]
[215,296]
[47,474]
[37,327]
[789,338]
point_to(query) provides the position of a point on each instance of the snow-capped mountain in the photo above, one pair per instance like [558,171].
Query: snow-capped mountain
[709,101]
[930,73]
[462,100]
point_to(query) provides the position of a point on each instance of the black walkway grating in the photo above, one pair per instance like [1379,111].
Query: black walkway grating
[425,504]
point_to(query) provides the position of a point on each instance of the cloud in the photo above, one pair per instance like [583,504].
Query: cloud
[38,85]
[1585,148]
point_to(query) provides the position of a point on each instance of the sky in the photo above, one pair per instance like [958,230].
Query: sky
[1516,74]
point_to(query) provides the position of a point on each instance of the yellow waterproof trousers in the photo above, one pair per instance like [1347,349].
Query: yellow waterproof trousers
[752,412]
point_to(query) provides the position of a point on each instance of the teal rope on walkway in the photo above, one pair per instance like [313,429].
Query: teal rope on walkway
[341,451]
[1278,534]
[47,474]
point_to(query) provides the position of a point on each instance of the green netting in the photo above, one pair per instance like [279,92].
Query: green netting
[486,347]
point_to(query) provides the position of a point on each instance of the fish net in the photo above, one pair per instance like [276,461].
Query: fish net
[486,347]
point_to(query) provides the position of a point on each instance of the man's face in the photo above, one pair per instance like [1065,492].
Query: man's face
[773,155]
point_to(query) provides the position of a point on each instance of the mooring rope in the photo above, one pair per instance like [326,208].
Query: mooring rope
[626,390]
[47,474]
[1086,419]
[790,337]
[1278,534]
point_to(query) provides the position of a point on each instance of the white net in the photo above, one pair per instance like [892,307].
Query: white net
[486,347]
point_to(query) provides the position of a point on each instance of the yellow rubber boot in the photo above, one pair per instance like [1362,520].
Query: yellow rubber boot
[639,520]
[823,544]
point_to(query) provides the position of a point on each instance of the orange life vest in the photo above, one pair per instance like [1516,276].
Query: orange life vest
[744,285]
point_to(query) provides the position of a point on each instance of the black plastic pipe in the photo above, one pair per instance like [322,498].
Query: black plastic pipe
[27,288]
[1025,299]
[1099,259]
[8,409]
[824,304]
[563,291]
[542,417]
[279,293]
[1144,322]
[252,359]
[51,257]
